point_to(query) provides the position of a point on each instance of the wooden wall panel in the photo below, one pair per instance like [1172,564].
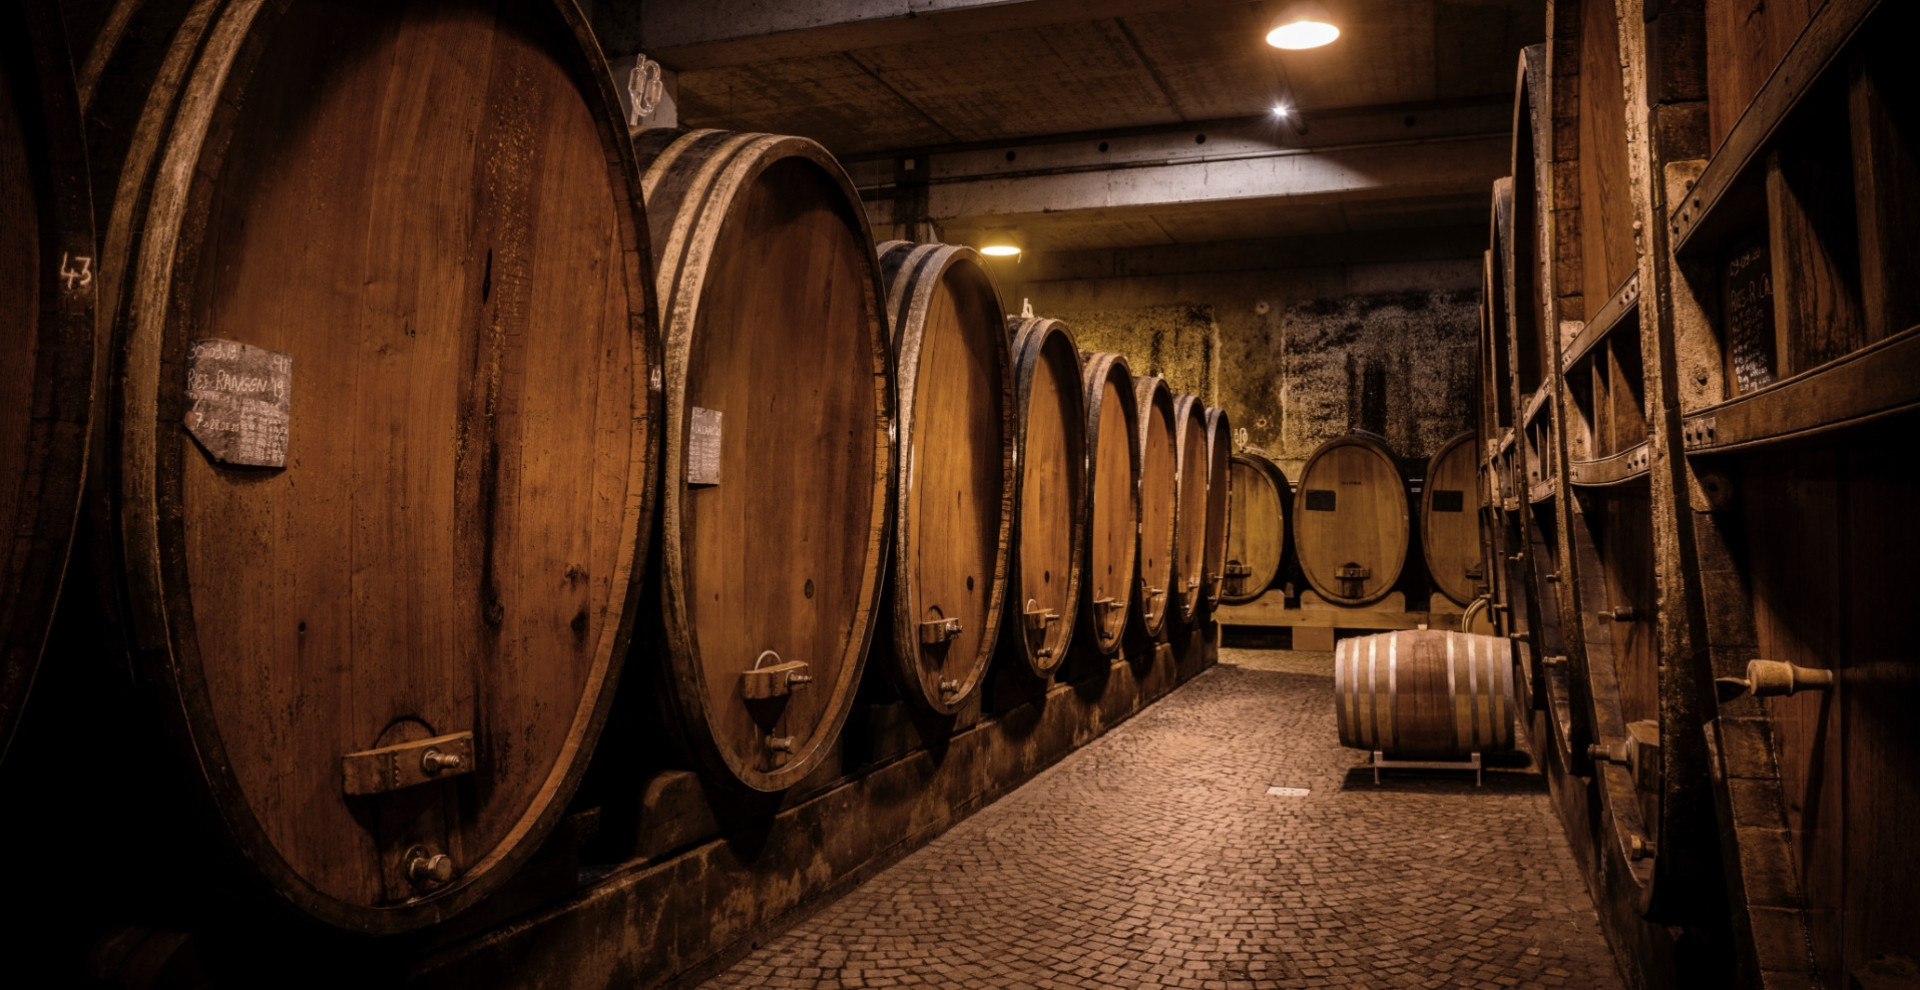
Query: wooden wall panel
[1745,40]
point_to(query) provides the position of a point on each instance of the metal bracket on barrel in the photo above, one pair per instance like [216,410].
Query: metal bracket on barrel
[1639,753]
[773,681]
[1038,619]
[409,764]
[936,631]
[1107,610]
[1234,576]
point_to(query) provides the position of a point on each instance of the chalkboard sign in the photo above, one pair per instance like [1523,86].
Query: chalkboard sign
[1449,500]
[1746,287]
[239,402]
[1320,500]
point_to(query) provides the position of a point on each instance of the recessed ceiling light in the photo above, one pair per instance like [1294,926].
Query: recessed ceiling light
[1302,25]
[1001,242]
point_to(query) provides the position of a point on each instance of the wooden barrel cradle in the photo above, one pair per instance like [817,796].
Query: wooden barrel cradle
[47,266]
[1260,503]
[1450,520]
[1190,515]
[1219,487]
[1113,485]
[1050,454]
[1424,694]
[779,465]
[954,518]
[1159,487]
[1350,520]
[384,439]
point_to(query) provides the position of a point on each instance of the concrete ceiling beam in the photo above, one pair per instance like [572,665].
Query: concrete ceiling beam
[705,34]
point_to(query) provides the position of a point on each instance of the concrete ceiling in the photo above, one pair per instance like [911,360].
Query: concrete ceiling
[876,80]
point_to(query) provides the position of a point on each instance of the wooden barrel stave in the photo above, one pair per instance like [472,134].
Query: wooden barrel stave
[1191,470]
[1258,534]
[953,520]
[1113,487]
[1350,525]
[1158,487]
[1219,491]
[48,269]
[1424,694]
[1450,523]
[1050,449]
[445,550]
[751,231]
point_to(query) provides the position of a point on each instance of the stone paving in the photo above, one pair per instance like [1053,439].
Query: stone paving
[1156,857]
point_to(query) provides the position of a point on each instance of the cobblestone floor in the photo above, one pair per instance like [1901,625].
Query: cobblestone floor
[1156,857]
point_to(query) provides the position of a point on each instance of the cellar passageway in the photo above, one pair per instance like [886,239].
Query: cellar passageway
[1180,850]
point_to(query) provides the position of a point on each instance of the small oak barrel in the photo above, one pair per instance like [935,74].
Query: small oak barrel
[1424,694]
[1350,520]
[384,438]
[954,517]
[1050,530]
[1257,533]
[1159,494]
[1113,484]
[1450,520]
[47,277]
[1190,527]
[779,473]
[1219,489]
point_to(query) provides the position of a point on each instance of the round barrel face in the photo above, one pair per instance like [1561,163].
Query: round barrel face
[954,492]
[1052,520]
[1257,532]
[1219,487]
[1449,522]
[1350,522]
[400,529]
[1114,533]
[1613,543]
[1158,494]
[48,269]
[1190,545]
[781,531]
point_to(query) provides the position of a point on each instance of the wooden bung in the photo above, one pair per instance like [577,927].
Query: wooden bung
[1350,523]
[954,518]
[1050,530]
[385,436]
[1261,502]
[779,460]
[1158,493]
[1113,484]
[48,275]
[1190,492]
[1424,694]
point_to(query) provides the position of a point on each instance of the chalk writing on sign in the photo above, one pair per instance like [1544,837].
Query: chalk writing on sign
[1747,285]
[703,447]
[239,402]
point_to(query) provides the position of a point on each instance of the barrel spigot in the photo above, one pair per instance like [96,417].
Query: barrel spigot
[1774,679]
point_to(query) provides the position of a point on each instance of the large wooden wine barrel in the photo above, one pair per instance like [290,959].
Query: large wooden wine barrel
[1113,485]
[1190,526]
[1257,533]
[1424,694]
[953,519]
[1450,520]
[779,467]
[47,276]
[1219,486]
[1050,451]
[385,435]
[1350,520]
[1159,493]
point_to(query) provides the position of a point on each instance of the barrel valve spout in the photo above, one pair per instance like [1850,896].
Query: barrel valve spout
[770,677]
[1774,679]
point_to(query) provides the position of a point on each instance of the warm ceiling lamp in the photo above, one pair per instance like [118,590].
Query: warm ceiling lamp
[1001,242]
[1302,25]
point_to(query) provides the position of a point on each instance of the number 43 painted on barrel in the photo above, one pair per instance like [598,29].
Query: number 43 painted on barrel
[81,276]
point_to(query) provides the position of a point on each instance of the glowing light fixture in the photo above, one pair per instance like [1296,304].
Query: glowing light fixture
[1279,110]
[1002,242]
[1302,25]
